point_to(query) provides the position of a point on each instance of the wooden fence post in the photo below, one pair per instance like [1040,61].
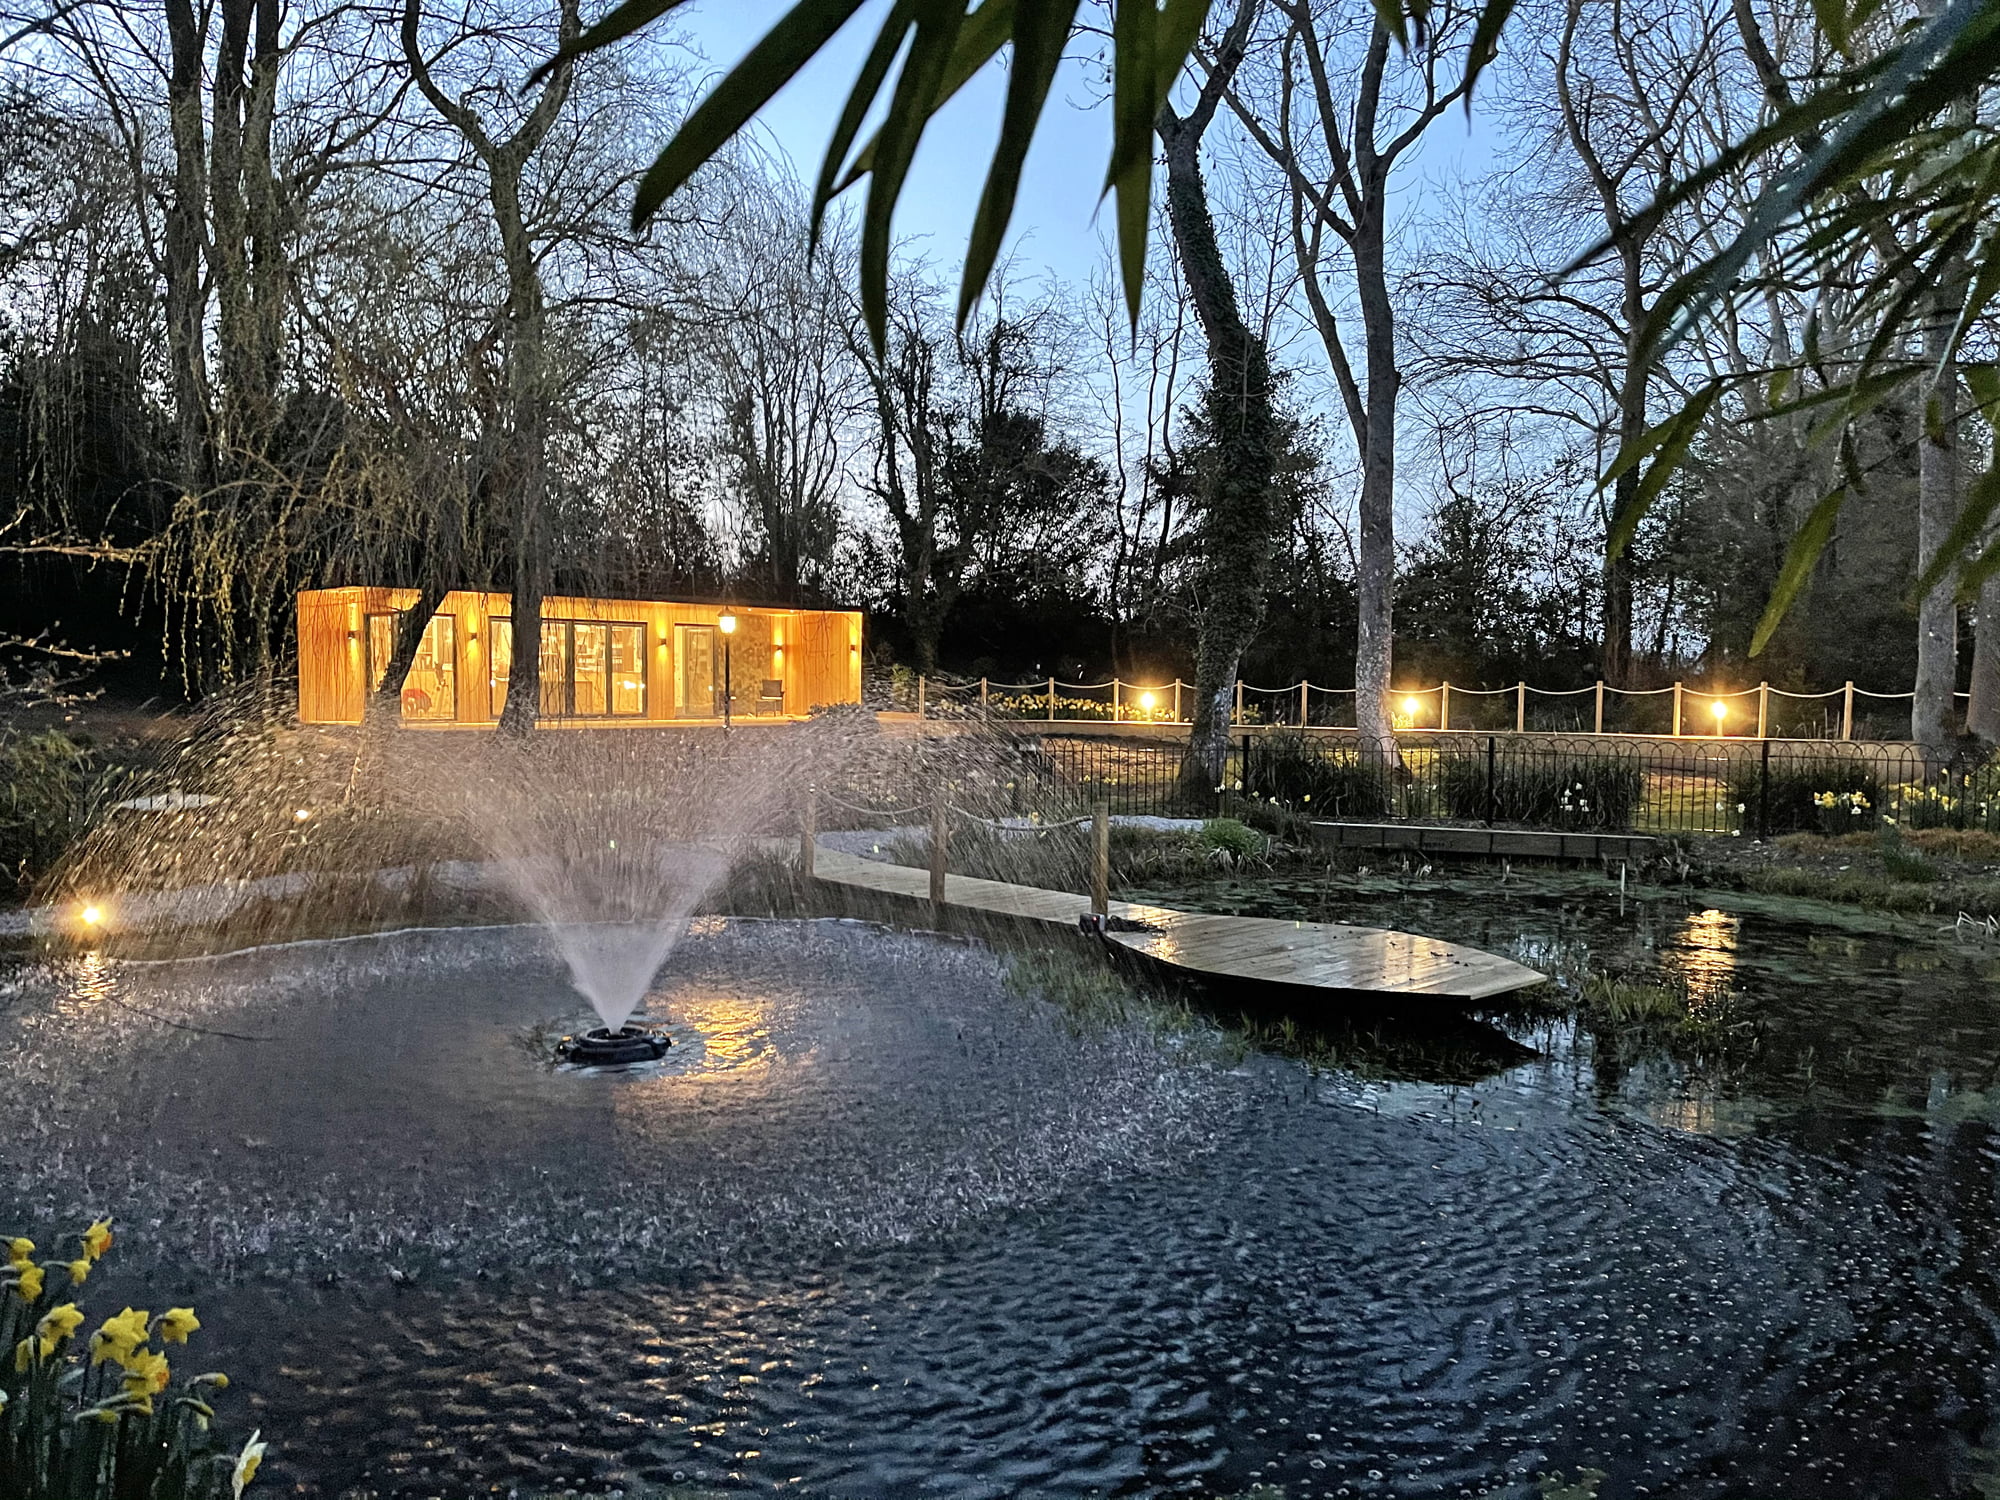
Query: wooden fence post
[808,830]
[1444,705]
[920,695]
[1115,714]
[1520,708]
[1052,700]
[983,710]
[1598,722]
[1847,713]
[1677,709]
[1763,710]
[940,839]
[1100,857]
[1177,700]
[1237,716]
[1305,705]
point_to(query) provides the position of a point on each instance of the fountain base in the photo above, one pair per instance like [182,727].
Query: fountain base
[600,1047]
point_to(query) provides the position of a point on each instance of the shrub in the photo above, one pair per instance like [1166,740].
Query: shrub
[104,1419]
[1321,780]
[1794,801]
[48,786]
[1229,836]
[1558,791]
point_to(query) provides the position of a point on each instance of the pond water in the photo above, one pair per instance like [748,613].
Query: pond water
[888,1228]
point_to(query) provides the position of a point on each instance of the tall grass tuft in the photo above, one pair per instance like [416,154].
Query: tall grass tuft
[1555,791]
[105,1418]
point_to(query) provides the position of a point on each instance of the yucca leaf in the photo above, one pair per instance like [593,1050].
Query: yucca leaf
[748,87]
[1668,443]
[874,69]
[1485,42]
[918,85]
[985,31]
[1974,514]
[1134,106]
[615,25]
[1832,15]
[1041,29]
[1807,544]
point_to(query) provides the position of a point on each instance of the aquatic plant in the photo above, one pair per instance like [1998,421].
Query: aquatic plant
[103,1417]
[1234,838]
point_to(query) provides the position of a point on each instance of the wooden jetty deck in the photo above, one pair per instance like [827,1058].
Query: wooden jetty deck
[1315,955]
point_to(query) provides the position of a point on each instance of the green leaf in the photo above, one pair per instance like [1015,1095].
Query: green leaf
[1668,441]
[1485,42]
[808,26]
[614,26]
[1981,501]
[874,69]
[1134,106]
[1041,29]
[1804,551]
[1832,16]
[985,31]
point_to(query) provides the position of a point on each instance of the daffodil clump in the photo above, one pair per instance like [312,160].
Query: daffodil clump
[97,1416]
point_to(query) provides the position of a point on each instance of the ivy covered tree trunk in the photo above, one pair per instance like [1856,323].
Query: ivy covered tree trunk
[1239,509]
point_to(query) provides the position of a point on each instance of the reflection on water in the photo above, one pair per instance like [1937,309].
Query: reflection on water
[1702,956]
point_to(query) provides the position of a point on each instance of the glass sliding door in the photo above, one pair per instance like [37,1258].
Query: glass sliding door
[555,669]
[499,663]
[590,671]
[696,684]
[628,671]
[430,688]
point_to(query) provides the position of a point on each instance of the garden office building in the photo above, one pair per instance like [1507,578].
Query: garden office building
[604,662]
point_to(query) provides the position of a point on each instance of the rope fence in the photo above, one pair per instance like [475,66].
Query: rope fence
[1676,711]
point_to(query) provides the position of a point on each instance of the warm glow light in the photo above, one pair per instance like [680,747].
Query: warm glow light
[1147,700]
[1410,706]
[92,915]
[302,814]
[1719,709]
[727,624]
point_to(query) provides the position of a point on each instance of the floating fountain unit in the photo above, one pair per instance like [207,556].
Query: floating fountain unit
[602,1047]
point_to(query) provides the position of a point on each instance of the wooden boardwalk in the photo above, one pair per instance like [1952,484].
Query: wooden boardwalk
[1314,955]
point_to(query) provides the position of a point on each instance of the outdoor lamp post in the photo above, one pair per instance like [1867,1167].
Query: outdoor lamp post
[727,625]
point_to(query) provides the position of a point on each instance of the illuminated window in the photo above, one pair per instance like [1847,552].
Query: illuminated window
[593,671]
[430,687]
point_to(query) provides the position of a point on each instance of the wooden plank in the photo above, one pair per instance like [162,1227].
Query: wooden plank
[1318,955]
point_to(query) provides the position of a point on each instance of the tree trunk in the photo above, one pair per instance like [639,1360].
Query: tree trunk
[1932,709]
[1238,519]
[186,274]
[1375,557]
[1982,715]
[385,704]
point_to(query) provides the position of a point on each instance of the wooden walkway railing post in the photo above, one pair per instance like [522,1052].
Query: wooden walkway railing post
[940,844]
[1677,710]
[1177,700]
[1847,713]
[1052,700]
[1520,708]
[1237,716]
[1598,722]
[1305,705]
[1444,705]
[983,701]
[1100,858]
[1763,710]
[920,695]
[808,830]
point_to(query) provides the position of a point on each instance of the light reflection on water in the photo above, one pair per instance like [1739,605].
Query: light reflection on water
[1702,955]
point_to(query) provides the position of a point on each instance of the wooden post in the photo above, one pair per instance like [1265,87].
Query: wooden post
[1052,700]
[940,840]
[1236,717]
[1444,705]
[1520,708]
[1677,709]
[1177,700]
[1100,857]
[1847,713]
[1598,723]
[808,831]
[1115,714]
[1763,710]
[920,695]
[1305,705]
[982,698]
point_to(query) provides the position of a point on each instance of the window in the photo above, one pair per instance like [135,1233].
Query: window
[590,671]
[430,688]
[500,662]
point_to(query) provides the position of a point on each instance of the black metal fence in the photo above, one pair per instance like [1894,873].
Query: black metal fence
[1747,788]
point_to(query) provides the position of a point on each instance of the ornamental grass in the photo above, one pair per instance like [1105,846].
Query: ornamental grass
[103,1417]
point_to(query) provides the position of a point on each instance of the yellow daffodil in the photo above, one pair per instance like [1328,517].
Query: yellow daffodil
[145,1373]
[58,1323]
[24,1355]
[214,1377]
[97,1239]
[79,1271]
[118,1337]
[29,1285]
[176,1323]
[18,1251]
[246,1464]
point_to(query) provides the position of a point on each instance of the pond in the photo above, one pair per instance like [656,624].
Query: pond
[888,1227]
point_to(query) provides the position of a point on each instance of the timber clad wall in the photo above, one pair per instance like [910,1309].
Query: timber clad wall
[784,662]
